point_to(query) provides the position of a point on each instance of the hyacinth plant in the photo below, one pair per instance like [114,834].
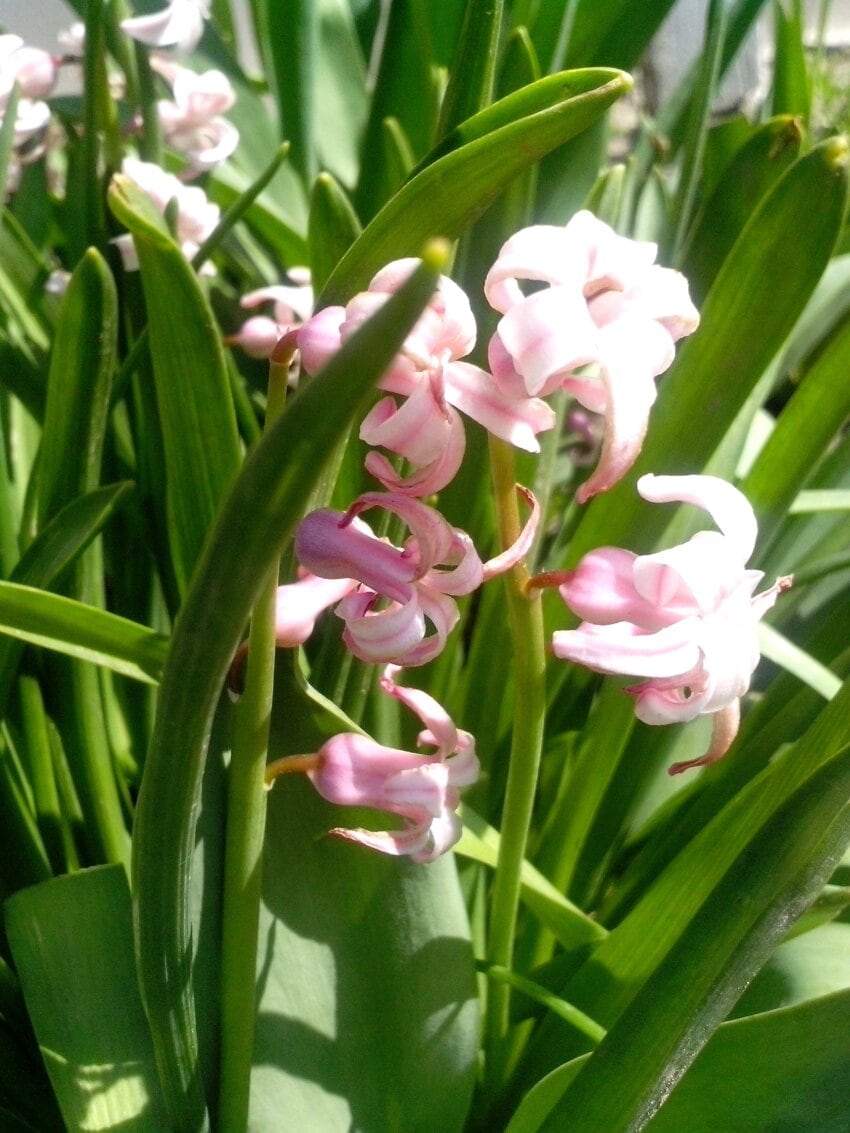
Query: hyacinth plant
[424,576]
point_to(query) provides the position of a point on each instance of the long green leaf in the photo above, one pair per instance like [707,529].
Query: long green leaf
[81,631]
[472,166]
[677,1009]
[71,939]
[200,438]
[260,512]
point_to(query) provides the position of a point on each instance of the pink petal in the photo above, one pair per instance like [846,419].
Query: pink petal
[541,252]
[433,537]
[548,334]
[320,337]
[379,636]
[623,649]
[329,545]
[601,590]
[729,508]
[300,603]
[474,392]
[430,712]
[725,724]
[179,25]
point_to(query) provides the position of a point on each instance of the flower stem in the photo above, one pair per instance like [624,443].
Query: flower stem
[246,821]
[526,622]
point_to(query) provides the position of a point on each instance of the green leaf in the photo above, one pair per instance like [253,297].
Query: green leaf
[78,386]
[72,942]
[81,631]
[470,86]
[791,88]
[812,418]
[54,549]
[779,649]
[470,168]
[200,438]
[571,926]
[384,932]
[258,515]
[751,173]
[676,1010]
[333,228]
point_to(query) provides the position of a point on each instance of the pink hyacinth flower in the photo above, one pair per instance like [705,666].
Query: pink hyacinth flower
[403,590]
[291,305]
[603,328]
[684,618]
[429,371]
[192,121]
[422,790]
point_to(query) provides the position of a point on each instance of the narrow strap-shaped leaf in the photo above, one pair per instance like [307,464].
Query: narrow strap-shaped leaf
[676,1011]
[470,86]
[464,175]
[263,507]
[333,228]
[200,438]
[81,631]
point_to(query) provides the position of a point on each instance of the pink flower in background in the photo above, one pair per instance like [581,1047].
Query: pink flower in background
[429,371]
[603,328]
[196,216]
[292,305]
[179,25]
[422,790]
[191,121]
[403,590]
[684,618]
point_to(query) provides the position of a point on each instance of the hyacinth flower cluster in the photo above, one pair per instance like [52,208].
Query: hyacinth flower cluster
[684,618]
[602,328]
[34,72]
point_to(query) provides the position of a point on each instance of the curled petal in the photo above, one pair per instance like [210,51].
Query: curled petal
[442,613]
[425,481]
[627,374]
[419,430]
[379,636]
[725,724]
[541,252]
[465,576]
[729,508]
[436,720]
[523,543]
[433,537]
[292,302]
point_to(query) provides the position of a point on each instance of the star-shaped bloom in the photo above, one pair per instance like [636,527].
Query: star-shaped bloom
[603,327]
[422,790]
[685,618]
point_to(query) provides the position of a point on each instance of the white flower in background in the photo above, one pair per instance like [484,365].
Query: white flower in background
[180,26]
[196,216]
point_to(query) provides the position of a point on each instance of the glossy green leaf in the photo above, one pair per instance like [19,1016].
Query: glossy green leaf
[754,168]
[260,512]
[640,944]
[200,439]
[78,386]
[791,88]
[674,1013]
[404,90]
[383,931]
[333,227]
[778,648]
[55,547]
[72,942]
[466,173]
[470,86]
[804,430]
[81,631]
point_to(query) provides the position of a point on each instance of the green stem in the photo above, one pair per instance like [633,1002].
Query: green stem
[246,823]
[526,621]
